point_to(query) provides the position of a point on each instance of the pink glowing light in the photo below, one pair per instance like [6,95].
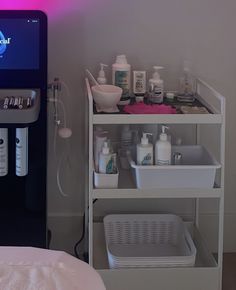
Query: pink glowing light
[50,7]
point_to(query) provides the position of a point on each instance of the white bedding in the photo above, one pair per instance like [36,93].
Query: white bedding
[23,268]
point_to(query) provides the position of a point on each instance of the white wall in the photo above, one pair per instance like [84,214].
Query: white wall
[149,32]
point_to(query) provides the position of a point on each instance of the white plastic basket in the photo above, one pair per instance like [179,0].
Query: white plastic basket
[148,240]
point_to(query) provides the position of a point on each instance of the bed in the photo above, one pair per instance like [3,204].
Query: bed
[27,268]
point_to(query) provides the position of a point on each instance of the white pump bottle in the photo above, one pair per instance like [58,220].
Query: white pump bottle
[121,77]
[163,149]
[145,151]
[156,86]
[101,75]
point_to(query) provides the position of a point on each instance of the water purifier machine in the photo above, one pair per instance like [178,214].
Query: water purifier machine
[23,124]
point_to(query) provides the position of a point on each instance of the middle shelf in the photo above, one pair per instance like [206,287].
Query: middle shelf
[127,189]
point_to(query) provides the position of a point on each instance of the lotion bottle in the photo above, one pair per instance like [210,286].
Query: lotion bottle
[121,77]
[163,149]
[3,151]
[144,151]
[105,160]
[101,75]
[156,86]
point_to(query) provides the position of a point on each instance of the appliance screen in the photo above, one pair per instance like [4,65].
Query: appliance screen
[19,44]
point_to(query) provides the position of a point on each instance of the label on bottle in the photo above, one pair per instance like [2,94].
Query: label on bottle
[156,94]
[163,162]
[147,160]
[122,81]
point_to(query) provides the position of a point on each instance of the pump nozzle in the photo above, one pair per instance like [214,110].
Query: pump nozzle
[156,74]
[101,75]
[163,128]
[163,135]
[144,139]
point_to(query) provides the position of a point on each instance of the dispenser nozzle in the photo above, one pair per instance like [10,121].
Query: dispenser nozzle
[163,128]
[102,72]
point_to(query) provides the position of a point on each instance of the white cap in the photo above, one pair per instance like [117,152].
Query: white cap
[121,59]
[105,148]
[144,139]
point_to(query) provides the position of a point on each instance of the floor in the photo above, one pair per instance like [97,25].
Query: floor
[229,271]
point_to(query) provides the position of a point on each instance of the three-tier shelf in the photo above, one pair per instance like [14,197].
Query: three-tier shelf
[209,130]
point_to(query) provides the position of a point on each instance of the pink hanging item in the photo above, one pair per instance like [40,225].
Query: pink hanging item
[142,108]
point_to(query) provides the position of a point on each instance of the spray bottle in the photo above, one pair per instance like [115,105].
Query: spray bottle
[101,75]
[156,86]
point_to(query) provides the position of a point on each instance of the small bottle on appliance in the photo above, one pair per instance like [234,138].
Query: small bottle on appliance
[3,151]
[21,151]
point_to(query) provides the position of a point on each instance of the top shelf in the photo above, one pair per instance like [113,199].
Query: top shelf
[210,98]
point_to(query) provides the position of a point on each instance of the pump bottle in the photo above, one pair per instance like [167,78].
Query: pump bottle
[105,160]
[3,151]
[121,78]
[21,151]
[156,86]
[163,149]
[145,151]
[186,89]
[101,75]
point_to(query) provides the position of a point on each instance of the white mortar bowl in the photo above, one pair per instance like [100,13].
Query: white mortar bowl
[106,97]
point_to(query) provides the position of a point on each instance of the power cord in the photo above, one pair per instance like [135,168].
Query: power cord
[76,251]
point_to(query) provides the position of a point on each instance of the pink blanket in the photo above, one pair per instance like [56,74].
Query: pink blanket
[142,108]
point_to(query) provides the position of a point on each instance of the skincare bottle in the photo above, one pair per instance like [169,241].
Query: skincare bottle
[121,78]
[163,149]
[186,85]
[3,151]
[156,87]
[139,82]
[21,151]
[144,151]
[126,145]
[105,160]
[101,75]
[100,137]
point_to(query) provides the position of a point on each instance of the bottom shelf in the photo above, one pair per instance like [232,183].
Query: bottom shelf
[205,275]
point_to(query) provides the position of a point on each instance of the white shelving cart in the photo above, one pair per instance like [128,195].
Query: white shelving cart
[207,272]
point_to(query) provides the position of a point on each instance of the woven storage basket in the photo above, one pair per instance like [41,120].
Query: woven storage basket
[148,240]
